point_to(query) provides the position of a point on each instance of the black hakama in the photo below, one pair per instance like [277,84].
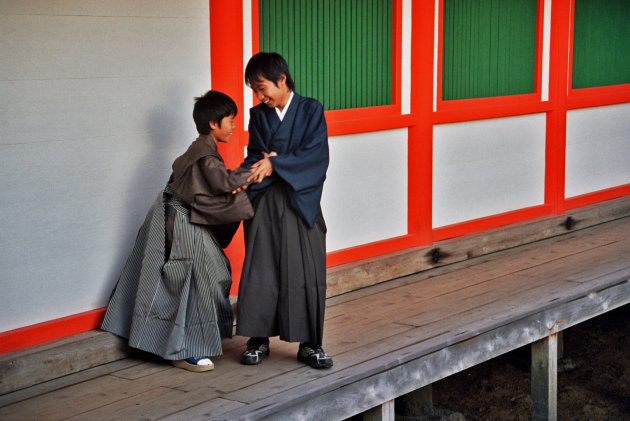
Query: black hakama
[283,287]
[283,284]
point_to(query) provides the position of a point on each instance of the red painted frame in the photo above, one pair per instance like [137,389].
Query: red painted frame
[596,96]
[452,111]
[481,108]
[592,97]
[561,99]
[367,119]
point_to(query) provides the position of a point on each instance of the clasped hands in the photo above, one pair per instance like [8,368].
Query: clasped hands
[260,170]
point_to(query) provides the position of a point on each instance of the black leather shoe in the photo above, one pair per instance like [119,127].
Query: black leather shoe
[314,356]
[257,349]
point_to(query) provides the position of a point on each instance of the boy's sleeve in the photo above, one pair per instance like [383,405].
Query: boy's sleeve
[219,179]
[305,167]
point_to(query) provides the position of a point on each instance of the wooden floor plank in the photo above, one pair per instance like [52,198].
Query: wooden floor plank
[149,405]
[75,399]
[230,375]
[344,357]
[66,381]
[144,369]
[209,410]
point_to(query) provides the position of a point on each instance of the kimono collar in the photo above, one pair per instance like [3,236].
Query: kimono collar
[282,113]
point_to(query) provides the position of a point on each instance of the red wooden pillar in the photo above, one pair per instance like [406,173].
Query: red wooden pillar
[557,117]
[421,133]
[226,72]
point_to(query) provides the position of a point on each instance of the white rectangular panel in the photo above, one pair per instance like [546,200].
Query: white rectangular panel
[365,194]
[487,167]
[598,149]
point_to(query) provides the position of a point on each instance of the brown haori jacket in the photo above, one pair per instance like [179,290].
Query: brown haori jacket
[201,180]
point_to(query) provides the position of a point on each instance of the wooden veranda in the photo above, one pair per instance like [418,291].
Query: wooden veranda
[387,340]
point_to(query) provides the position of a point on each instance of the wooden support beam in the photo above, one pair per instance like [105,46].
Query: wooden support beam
[545,379]
[384,412]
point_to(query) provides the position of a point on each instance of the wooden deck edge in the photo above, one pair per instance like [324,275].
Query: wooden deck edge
[41,363]
[416,366]
[364,273]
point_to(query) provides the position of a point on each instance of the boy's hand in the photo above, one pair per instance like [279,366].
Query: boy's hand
[262,168]
[240,189]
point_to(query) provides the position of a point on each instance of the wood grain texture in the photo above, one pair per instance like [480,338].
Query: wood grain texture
[24,368]
[544,381]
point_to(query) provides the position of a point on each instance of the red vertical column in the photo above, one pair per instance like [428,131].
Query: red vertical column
[558,91]
[226,72]
[226,65]
[421,133]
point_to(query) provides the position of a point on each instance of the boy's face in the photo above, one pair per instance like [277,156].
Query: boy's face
[222,132]
[269,93]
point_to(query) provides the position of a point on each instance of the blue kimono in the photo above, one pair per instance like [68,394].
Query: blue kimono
[283,284]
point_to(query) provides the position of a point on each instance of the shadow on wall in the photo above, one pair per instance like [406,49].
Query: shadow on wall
[149,171]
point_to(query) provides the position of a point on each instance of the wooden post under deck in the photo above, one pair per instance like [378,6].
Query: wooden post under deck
[384,412]
[544,378]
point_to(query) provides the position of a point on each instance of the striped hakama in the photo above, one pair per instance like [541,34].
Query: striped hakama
[283,285]
[174,306]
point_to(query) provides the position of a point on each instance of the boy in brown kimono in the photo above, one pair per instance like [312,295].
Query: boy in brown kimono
[172,296]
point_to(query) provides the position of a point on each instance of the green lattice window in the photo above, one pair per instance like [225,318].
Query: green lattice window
[601,43]
[338,51]
[488,48]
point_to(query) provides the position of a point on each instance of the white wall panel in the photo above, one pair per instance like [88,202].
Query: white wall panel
[598,149]
[97,102]
[365,194]
[487,167]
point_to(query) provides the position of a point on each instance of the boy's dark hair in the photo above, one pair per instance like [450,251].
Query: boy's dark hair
[213,106]
[271,66]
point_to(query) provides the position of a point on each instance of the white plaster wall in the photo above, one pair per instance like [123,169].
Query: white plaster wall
[487,167]
[598,149]
[96,103]
[362,203]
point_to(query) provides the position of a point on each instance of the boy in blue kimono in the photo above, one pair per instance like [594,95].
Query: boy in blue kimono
[283,283]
